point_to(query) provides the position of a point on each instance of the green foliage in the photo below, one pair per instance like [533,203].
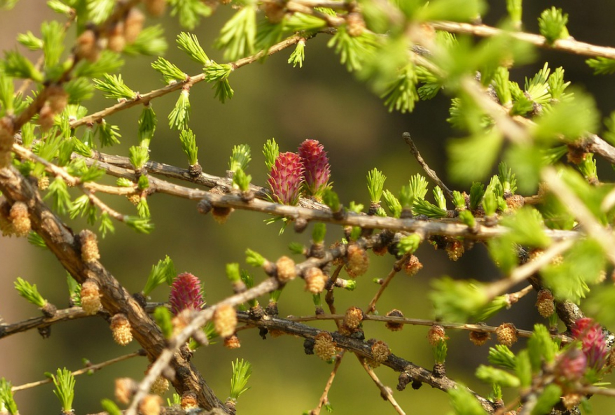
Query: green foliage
[64,382]
[74,290]
[163,271]
[415,191]
[271,150]
[141,225]
[492,375]
[241,180]
[106,225]
[457,300]
[453,10]
[515,11]
[523,368]
[541,347]
[6,397]
[29,292]
[582,265]
[471,158]
[169,71]
[242,370]
[110,407]
[319,232]
[375,184]
[179,117]
[392,203]
[147,125]
[163,317]
[53,43]
[498,303]
[17,66]
[552,24]
[78,90]
[353,51]
[240,157]
[409,244]
[30,41]
[601,66]
[113,86]
[254,258]
[138,156]
[331,199]
[527,228]
[150,42]
[423,207]
[238,36]
[401,94]
[298,55]
[108,134]
[189,147]
[464,403]
[502,356]
[36,240]
[58,192]
[189,43]
[232,272]
[547,400]
[189,12]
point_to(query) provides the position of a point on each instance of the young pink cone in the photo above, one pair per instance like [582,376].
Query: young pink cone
[593,343]
[286,178]
[186,293]
[316,171]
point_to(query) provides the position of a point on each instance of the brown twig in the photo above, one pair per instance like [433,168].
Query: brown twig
[385,391]
[89,369]
[565,45]
[432,174]
[324,398]
[396,268]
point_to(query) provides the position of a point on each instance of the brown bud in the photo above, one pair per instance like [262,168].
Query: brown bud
[87,47]
[315,280]
[225,320]
[134,198]
[221,214]
[150,405]
[274,11]
[189,401]
[545,304]
[324,346]
[436,334]
[6,226]
[353,317]
[515,202]
[160,386]
[116,40]
[412,266]
[355,24]
[133,25]
[89,246]
[232,342]
[357,261]
[391,325]
[120,326]
[45,117]
[380,351]
[571,400]
[43,183]
[479,337]
[90,297]
[20,219]
[156,7]
[285,269]
[57,98]
[507,334]
[454,249]
[125,389]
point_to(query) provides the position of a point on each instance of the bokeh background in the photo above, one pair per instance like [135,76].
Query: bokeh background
[320,101]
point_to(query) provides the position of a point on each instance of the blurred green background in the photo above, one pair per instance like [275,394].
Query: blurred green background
[320,101]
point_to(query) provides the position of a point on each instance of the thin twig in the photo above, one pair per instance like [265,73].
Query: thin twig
[565,45]
[528,269]
[396,268]
[432,174]
[324,398]
[88,369]
[385,391]
[146,98]
[420,322]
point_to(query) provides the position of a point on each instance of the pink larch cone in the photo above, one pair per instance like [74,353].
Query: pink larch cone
[593,342]
[186,293]
[286,178]
[316,171]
